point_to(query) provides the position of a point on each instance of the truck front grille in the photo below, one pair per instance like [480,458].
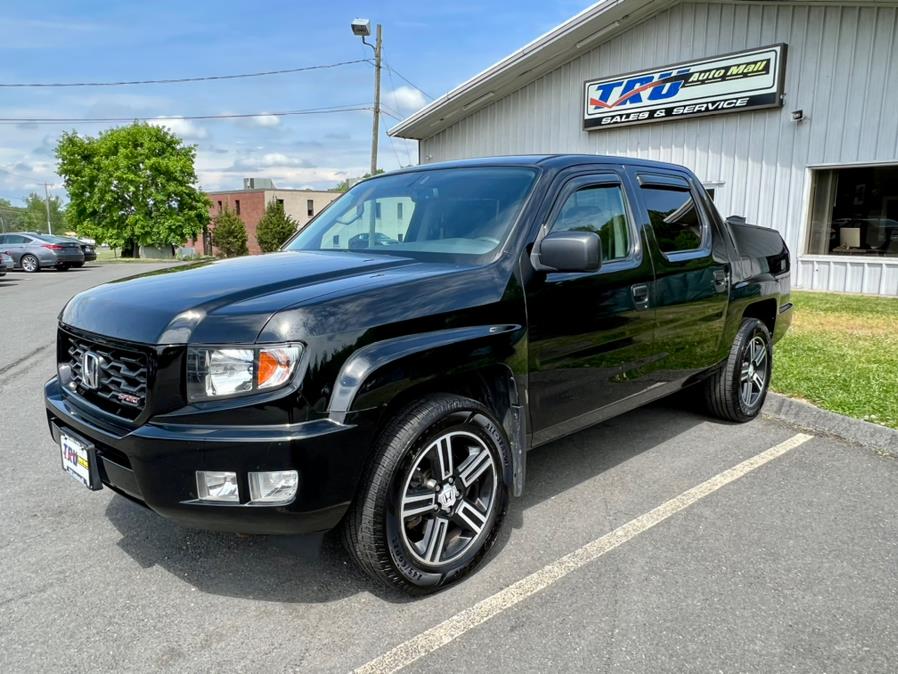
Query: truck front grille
[119,383]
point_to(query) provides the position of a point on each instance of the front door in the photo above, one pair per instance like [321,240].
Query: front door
[589,332]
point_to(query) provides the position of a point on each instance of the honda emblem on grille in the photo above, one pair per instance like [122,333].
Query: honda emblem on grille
[90,370]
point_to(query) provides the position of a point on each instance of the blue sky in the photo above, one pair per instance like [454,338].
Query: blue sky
[436,45]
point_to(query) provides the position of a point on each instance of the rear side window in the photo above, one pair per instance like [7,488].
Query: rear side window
[599,209]
[674,218]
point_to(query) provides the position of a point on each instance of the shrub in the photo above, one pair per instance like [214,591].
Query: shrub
[229,235]
[274,228]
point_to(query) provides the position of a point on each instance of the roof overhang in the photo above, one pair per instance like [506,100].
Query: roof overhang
[576,36]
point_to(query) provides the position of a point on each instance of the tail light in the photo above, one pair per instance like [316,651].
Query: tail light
[52,246]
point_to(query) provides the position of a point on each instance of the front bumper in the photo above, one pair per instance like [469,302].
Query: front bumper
[155,465]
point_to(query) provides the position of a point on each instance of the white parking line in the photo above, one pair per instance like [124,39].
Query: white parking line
[436,637]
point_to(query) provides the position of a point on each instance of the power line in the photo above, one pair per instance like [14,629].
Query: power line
[390,114]
[105,120]
[180,80]
[392,141]
[407,81]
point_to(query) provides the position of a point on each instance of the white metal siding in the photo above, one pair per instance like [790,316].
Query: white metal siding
[841,69]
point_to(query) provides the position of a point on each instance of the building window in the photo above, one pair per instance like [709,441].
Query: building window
[399,211]
[237,206]
[854,211]
[310,207]
[220,208]
[674,218]
[280,203]
[599,209]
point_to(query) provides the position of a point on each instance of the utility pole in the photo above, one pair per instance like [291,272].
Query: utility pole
[47,202]
[375,131]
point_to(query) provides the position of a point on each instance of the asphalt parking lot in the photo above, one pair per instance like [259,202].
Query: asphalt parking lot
[670,560]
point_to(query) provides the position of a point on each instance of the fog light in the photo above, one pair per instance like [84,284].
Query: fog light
[273,487]
[217,485]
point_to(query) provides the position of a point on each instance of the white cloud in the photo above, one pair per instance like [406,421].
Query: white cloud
[265,120]
[270,160]
[405,100]
[181,127]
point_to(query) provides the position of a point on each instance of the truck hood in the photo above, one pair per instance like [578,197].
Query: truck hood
[230,301]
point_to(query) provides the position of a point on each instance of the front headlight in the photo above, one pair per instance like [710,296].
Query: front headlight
[217,372]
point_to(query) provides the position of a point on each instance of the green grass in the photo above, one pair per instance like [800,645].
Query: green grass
[841,354]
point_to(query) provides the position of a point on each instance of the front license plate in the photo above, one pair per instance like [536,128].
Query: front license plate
[79,460]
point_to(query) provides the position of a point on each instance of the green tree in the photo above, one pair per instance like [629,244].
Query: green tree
[132,185]
[274,228]
[229,234]
[344,185]
[36,214]
[12,218]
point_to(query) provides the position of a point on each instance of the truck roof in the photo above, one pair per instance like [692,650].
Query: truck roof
[553,161]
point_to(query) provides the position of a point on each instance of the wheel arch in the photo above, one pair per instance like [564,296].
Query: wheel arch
[476,362]
[764,310]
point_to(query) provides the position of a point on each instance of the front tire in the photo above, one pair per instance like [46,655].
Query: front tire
[736,391]
[433,497]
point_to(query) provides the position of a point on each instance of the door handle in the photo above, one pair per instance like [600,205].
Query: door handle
[721,279]
[640,295]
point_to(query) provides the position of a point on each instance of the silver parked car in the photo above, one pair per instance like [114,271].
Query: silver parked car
[32,252]
[6,263]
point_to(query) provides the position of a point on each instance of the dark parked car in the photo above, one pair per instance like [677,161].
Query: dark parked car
[88,249]
[361,240]
[32,252]
[394,391]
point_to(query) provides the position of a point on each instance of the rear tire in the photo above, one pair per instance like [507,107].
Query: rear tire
[30,264]
[433,497]
[737,390]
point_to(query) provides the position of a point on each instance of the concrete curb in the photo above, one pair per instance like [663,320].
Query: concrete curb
[808,417]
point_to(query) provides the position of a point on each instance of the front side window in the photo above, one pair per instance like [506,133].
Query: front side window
[460,214]
[599,209]
[674,217]
[854,211]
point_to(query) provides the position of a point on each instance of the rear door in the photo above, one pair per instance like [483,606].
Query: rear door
[12,244]
[589,332]
[692,273]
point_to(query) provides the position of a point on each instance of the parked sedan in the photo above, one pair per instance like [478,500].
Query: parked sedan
[89,249]
[32,252]
[6,263]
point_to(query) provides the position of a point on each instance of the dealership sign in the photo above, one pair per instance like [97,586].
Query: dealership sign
[746,80]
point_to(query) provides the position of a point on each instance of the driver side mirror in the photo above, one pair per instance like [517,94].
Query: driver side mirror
[568,251]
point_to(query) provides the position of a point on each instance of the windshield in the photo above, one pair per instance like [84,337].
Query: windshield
[457,215]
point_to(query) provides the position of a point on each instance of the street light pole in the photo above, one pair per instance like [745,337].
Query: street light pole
[362,29]
[375,131]
[47,197]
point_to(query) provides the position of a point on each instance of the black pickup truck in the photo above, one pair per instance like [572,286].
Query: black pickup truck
[389,370]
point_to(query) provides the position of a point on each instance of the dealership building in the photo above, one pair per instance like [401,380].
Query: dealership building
[786,111]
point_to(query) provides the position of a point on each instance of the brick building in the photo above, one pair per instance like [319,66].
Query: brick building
[250,202]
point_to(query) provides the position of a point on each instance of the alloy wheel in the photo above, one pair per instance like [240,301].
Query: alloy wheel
[29,263]
[447,498]
[753,378]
